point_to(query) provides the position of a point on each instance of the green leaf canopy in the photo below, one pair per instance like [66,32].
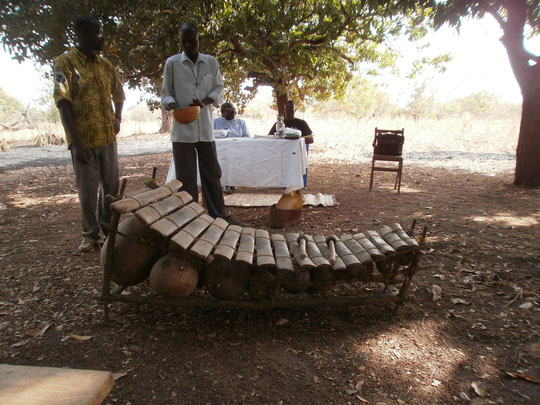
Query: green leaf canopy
[301,48]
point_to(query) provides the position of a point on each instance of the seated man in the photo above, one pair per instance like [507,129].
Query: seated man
[296,123]
[235,127]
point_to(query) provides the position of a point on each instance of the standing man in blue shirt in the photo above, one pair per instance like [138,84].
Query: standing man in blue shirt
[194,78]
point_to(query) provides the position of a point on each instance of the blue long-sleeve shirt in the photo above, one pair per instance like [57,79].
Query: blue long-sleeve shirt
[235,128]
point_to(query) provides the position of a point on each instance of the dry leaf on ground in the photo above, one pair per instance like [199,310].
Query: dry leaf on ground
[79,337]
[479,388]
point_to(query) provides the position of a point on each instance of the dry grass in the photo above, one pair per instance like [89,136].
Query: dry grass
[44,134]
[341,137]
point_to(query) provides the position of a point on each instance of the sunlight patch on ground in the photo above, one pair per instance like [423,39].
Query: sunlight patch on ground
[509,219]
[424,362]
[390,188]
[26,201]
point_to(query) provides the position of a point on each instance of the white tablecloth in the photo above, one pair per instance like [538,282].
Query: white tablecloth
[260,162]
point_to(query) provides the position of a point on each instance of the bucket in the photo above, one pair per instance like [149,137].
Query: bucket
[280,218]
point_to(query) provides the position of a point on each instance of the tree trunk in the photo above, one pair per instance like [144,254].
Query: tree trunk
[166,121]
[280,91]
[528,148]
[528,77]
[281,99]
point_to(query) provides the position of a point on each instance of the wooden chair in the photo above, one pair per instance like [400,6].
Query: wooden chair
[387,147]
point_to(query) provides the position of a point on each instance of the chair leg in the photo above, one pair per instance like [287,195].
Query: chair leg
[371,179]
[400,168]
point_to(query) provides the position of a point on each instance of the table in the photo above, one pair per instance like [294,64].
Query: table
[260,162]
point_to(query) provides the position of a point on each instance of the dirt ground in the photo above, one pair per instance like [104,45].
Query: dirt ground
[479,343]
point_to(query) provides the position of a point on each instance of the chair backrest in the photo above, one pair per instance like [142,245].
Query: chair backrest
[388,141]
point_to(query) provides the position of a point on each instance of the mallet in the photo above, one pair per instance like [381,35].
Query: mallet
[331,242]
[302,240]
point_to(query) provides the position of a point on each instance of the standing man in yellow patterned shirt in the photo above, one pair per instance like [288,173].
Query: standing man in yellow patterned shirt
[84,84]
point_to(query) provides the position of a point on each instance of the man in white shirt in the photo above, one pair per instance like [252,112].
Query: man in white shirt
[194,78]
[235,127]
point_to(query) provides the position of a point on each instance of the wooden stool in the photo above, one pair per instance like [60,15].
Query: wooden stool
[28,385]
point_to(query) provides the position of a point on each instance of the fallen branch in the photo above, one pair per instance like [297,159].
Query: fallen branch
[519,294]
[522,376]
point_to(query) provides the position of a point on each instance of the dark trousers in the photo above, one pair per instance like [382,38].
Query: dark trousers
[100,173]
[185,157]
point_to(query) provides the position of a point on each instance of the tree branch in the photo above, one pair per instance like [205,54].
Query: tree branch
[238,49]
[494,13]
[262,78]
[512,40]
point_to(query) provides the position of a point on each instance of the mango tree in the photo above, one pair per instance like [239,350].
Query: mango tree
[514,18]
[308,49]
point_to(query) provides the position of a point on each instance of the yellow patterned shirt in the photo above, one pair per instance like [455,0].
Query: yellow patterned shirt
[89,84]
